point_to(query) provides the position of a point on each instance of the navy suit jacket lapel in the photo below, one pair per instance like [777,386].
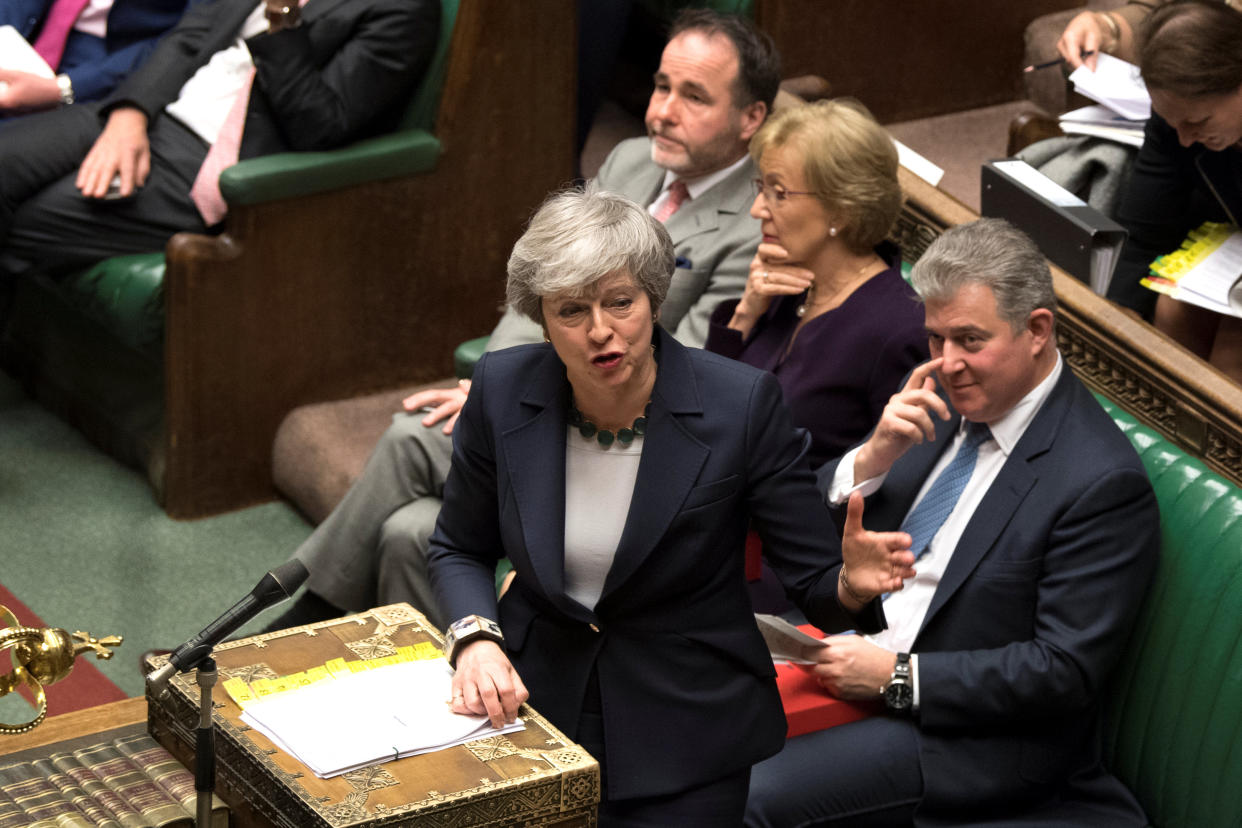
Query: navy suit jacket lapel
[670,466]
[1011,486]
[534,452]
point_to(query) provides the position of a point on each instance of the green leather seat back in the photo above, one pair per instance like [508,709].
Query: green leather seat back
[421,113]
[1173,730]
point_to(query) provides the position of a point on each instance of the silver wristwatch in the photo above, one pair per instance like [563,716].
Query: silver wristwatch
[471,628]
[899,691]
[66,89]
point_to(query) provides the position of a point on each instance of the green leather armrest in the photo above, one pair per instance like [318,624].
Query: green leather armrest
[467,354]
[292,174]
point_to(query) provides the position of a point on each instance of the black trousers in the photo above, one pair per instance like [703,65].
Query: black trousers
[717,804]
[46,223]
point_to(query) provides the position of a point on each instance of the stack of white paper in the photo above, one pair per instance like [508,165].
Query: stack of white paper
[1103,122]
[368,717]
[1117,85]
[1213,283]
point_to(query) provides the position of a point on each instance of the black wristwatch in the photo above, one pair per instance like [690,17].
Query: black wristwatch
[471,628]
[899,692]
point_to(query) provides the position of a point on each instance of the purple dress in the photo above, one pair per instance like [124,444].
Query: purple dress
[844,364]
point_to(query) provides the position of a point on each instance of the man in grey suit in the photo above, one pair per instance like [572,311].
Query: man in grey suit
[717,79]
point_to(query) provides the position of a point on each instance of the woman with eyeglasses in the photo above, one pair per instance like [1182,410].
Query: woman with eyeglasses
[825,307]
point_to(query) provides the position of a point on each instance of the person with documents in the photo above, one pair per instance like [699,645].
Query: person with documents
[1189,169]
[1036,533]
[60,52]
[619,471]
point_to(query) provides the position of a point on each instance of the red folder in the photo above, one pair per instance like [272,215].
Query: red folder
[808,706]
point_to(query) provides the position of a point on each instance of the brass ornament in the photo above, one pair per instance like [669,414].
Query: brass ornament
[43,656]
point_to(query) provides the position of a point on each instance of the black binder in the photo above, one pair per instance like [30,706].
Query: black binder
[1079,239]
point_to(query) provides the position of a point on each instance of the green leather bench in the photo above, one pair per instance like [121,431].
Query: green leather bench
[1173,729]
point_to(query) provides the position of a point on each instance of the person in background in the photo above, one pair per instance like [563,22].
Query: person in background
[91,45]
[234,79]
[1189,169]
[714,87]
[1090,33]
[1036,533]
[618,471]
[825,307]
[1114,32]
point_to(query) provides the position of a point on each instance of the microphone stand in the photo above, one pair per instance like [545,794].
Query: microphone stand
[204,744]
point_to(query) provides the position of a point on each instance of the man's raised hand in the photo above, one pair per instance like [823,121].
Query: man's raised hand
[905,422]
[873,563]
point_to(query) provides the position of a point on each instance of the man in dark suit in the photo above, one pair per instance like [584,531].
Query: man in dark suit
[98,52]
[1036,532]
[323,75]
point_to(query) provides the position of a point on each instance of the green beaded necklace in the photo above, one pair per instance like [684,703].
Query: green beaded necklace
[603,436]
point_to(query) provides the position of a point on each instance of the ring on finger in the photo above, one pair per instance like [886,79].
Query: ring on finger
[766,277]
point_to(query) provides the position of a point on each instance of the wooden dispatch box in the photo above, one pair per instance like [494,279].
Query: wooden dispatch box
[533,777]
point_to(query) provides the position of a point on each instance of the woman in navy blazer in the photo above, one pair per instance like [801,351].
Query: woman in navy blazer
[618,471]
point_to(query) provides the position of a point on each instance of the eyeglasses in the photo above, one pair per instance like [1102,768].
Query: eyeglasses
[775,193]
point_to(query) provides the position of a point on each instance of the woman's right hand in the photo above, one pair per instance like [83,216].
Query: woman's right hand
[770,276]
[485,684]
[1086,33]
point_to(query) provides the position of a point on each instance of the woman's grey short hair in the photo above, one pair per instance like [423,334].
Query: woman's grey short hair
[990,252]
[579,236]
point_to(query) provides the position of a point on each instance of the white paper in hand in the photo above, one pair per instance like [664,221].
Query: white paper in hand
[785,641]
[1116,84]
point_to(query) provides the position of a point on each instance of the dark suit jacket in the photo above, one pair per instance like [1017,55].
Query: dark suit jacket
[1033,610]
[337,77]
[96,68]
[687,684]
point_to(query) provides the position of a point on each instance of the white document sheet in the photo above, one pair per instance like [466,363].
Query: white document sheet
[369,717]
[1214,283]
[18,55]
[1116,84]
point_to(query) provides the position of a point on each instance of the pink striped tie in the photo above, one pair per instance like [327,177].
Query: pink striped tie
[677,195]
[50,44]
[205,192]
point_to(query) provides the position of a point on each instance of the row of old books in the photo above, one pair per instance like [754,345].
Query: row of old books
[128,782]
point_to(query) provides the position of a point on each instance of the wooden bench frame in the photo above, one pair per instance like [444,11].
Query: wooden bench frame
[274,314]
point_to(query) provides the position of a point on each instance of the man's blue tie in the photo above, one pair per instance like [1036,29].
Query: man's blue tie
[925,521]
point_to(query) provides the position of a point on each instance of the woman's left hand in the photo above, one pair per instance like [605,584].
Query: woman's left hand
[485,684]
[874,562]
[769,278]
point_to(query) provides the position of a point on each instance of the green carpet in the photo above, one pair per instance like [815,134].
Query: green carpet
[84,544]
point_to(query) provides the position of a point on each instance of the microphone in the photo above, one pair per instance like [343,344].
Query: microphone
[272,588]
